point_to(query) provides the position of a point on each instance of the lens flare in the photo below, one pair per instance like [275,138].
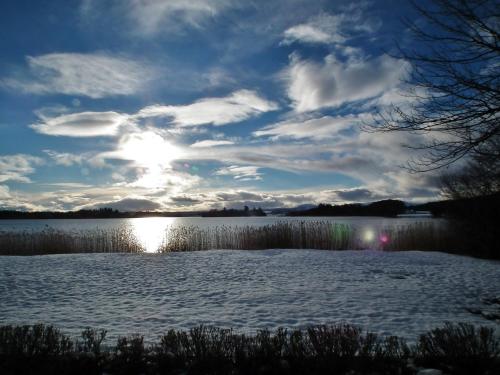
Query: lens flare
[369,235]
[384,238]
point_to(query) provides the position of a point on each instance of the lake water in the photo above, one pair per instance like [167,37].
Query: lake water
[151,231]
[402,293]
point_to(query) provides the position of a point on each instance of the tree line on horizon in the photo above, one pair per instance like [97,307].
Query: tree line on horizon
[487,206]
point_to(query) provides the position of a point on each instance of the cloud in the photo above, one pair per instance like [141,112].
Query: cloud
[4,192]
[321,128]
[241,173]
[151,16]
[309,34]
[332,83]
[372,160]
[239,198]
[70,185]
[16,167]
[185,200]
[355,195]
[132,204]
[211,143]
[83,124]
[238,106]
[327,28]
[323,28]
[93,75]
[64,158]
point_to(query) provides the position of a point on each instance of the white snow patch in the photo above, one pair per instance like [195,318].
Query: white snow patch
[403,293]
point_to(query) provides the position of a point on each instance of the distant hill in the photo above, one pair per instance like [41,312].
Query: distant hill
[484,207]
[108,213]
[388,208]
[234,213]
[286,210]
[102,213]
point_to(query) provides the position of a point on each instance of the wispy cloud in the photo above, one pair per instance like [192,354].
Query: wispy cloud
[83,124]
[323,28]
[241,173]
[17,167]
[4,192]
[64,158]
[69,185]
[325,127]
[238,106]
[211,143]
[154,15]
[149,17]
[93,75]
[332,83]
[331,28]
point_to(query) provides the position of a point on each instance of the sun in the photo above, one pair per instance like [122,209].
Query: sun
[152,155]
[149,149]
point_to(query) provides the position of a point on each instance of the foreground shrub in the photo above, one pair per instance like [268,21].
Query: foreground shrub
[26,349]
[92,340]
[33,340]
[130,356]
[461,348]
[324,349]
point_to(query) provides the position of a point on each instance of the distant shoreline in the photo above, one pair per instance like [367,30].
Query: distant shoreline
[460,208]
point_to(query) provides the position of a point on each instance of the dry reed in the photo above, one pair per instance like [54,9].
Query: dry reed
[321,235]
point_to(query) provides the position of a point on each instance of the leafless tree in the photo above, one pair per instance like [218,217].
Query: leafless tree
[479,177]
[455,80]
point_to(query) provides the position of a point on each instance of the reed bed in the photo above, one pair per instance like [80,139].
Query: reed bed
[321,235]
[323,349]
[52,241]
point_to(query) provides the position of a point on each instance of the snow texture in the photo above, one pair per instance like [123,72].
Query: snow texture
[401,293]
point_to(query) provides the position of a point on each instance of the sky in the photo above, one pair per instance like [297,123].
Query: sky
[199,104]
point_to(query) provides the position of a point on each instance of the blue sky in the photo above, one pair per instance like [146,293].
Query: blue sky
[181,105]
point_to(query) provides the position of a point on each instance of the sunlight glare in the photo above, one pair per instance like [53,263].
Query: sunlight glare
[151,231]
[150,150]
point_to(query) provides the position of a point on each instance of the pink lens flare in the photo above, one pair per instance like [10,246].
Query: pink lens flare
[384,238]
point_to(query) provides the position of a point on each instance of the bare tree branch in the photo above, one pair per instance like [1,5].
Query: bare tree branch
[455,80]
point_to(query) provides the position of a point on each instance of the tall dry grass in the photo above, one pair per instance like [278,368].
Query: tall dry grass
[321,235]
[52,241]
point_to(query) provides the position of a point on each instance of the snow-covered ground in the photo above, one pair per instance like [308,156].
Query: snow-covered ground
[403,293]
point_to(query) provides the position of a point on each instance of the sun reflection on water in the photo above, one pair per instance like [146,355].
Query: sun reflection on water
[151,231]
